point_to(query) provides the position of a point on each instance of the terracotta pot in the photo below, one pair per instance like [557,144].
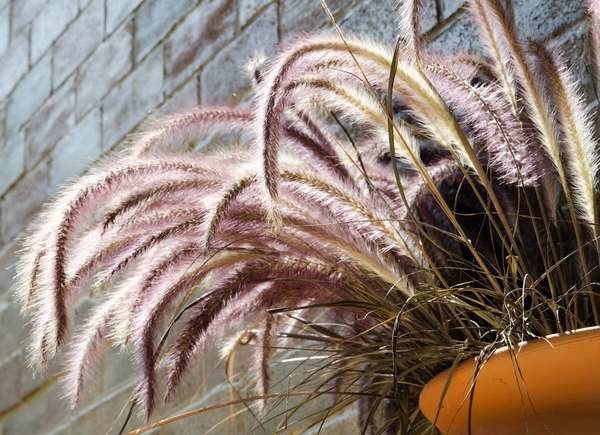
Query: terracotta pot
[547,386]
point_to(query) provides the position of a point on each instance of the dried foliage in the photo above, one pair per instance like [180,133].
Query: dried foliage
[398,211]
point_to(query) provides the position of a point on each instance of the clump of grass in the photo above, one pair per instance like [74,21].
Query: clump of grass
[400,210]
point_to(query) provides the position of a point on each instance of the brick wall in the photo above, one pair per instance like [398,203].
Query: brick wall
[77,75]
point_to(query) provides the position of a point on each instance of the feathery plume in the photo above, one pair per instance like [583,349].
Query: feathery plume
[580,147]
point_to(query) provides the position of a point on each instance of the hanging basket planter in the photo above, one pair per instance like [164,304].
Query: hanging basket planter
[546,386]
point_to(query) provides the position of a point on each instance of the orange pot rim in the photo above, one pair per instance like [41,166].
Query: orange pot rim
[553,373]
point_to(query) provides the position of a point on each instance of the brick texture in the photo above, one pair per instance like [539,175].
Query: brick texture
[4,28]
[458,34]
[77,150]
[49,23]
[29,94]
[12,156]
[198,38]
[77,76]
[78,41]
[131,100]
[7,269]
[153,20]
[105,67]
[23,200]
[298,16]
[223,80]
[24,12]
[14,62]
[540,21]
[117,11]
[249,9]
[51,122]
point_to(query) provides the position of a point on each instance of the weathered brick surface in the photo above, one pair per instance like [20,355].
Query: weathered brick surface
[51,122]
[76,76]
[11,369]
[117,11]
[118,374]
[535,20]
[206,29]
[153,20]
[12,156]
[8,268]
[381,23]
[129,102]
[78,41]
[4,28]
[12,330]
[39,414]
[77,150]
[459,34]
[102,414]
[449,7]
[49,23]
[29,94]
[109,63]
[23,200]
[299,16]
[14,62]
[2,125]
[249,8]
[224,79]
[23,12]
[186,97]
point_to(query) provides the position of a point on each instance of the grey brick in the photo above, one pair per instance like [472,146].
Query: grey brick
[40,414]
[153,20]
[223,79]
[128,103]
[197,38]
[539,20]
[81,147]
[460,35]
[108,64]
[11,368]
[49,24]
[299,16]
[7,267]
[249,8]
[12,327]
[380,21]
[83,3]
[118,372]
[29,94]
[450,6]
[100,416]
[12,156]
[50,123]
[21,379]
[186,97]
[117,11]
[23,200]
[79,40]
[14,63]
[4,28]
[2,125]
[23,12]
[218,394]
